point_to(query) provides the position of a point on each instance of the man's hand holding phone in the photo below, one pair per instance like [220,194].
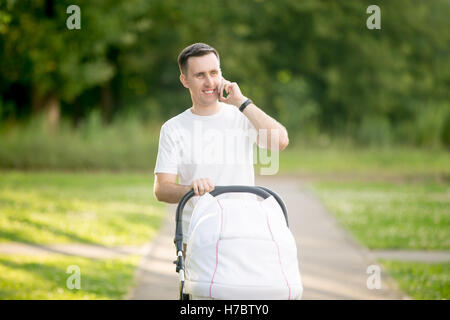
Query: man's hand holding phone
[234,94]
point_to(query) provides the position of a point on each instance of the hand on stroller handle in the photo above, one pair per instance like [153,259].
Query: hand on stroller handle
[201,186]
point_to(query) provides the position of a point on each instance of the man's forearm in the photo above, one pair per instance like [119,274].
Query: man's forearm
[261,120]
[170,192]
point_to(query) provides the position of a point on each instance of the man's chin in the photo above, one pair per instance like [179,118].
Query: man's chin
[210,101]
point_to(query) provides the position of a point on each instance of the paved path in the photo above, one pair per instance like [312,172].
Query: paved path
[156,276]
[93,251]
[331,264]
[79,250]
[411,255]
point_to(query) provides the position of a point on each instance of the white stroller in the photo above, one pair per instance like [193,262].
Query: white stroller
[238,248]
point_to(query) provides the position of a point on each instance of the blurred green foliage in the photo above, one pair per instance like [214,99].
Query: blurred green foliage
[312,64]
[122,145]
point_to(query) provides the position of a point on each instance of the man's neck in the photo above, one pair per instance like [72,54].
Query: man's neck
[208,110]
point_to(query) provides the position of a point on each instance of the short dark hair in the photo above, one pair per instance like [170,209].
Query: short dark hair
[194,50]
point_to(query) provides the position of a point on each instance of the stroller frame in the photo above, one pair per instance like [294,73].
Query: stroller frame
[263,192]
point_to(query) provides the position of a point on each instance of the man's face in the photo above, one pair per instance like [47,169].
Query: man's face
[203,79]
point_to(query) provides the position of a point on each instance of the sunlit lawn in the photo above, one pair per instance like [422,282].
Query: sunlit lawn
[372,162]
[97,208]
[430,281]
[397,215]
[46,277]
[107,209]
[394,215]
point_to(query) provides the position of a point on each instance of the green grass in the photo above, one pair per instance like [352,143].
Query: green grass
[46,277]
[430,281]
[397,215]
[91,208]
[126,144]
[375,162]
[385,215]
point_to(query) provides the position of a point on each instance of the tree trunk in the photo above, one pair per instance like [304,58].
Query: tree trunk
[107,101]
[50,105]
[53,111]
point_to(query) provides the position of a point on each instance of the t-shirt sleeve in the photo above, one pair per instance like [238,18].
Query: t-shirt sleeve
[166,160]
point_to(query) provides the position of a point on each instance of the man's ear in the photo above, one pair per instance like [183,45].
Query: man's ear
[183,81]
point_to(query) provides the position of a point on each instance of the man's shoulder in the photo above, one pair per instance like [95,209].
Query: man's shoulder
[176,120]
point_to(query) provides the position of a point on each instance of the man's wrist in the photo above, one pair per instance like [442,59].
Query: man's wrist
[241,101]
[244,105]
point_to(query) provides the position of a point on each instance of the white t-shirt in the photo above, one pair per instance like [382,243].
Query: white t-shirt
[218,147]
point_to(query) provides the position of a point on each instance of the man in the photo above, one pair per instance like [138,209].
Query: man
[184,146]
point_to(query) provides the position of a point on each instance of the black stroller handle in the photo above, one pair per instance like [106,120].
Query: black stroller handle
[263,192]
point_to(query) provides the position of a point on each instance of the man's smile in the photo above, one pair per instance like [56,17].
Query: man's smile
[210,91]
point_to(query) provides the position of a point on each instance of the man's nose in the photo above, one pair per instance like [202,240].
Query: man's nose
[209,81]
